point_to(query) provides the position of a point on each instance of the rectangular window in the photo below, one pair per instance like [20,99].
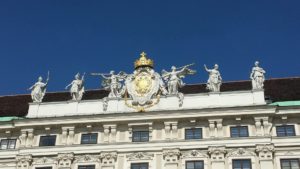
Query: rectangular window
[194,165]
[86,167]
[285,130]
[47,140]
[140,136]
[239,131]
[241,164]
[289,164]
[90,138]
[8,144]
[139,166]
[193,133]
[43,168]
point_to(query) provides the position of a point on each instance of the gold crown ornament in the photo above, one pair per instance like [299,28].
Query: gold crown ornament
[143,61]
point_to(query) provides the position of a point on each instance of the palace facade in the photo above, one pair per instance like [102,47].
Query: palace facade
[234,128]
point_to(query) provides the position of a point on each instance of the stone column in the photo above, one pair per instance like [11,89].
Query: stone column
[110,132]
[65,160]
[265,155]
[215,127]
[108,160]
[171,158]
[217,157]
[30,136]
[171,130]
[71,135]
[23,138]
[258,126]
[23,161]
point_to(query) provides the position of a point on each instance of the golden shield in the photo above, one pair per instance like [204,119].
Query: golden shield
[143,83]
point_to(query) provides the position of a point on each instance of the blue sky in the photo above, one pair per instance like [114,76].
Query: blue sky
[73,36]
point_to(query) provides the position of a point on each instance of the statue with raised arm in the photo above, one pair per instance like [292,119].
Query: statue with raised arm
[214,81]
[174,78]
[257,76]
[38,90]
[112,83]
[77,87]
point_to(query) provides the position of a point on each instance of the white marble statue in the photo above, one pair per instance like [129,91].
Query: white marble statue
[77,87]
[38,90]
[174,78]
[214,81]
[112,83]
[257,76]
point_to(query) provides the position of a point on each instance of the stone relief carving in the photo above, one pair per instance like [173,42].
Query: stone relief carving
[44,160]
[257,76]
[87,158]
[38,90]
[108,157]
[265,151]
[171,155]
[77,87]
[23,161]
[217,153]
[240,152]
[140,156]
[214,81]
[65,159]
[194,154]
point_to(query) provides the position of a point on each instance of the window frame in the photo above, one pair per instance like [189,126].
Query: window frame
[281,160]
[47,167]
[285,130]
[140,136]
[193,129]
[87,165]
[55,139]
[81,142]
[241,166]
[8,143]
[239,131]
[193,161]
[139,164]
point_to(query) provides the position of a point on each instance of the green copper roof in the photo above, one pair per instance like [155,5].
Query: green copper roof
[10,118]
[286,103]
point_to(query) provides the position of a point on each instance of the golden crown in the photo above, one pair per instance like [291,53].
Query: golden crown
[143,61]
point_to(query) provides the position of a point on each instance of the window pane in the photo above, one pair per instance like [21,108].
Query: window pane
[241,164]
[12,144]
[194,133]
[4,144]
[86,167]
[239,131]
[194,165]
[140,136]
[47,140]
[90,138]
[289,163]
[285,130]
[139,166]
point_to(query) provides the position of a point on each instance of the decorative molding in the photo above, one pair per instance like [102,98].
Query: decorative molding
[87,158]
[44,160]
[194,154]
[240,152]
[65,159]
[265,148]
[216,150]
[171,153]
[140,156]
[23,161]
[108,158]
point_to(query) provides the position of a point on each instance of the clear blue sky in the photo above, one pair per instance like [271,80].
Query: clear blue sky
[70,36]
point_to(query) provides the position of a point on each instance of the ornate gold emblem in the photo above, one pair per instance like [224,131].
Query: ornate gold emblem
[143,61]
[143,83]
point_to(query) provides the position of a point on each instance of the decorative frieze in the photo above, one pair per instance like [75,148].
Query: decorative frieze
[217,153]
[194,154]
[140,156]
[108,158]
[171,155]
[240,152]
[265,151]
[87,158]
[23,161]
[65,160]
[44,161]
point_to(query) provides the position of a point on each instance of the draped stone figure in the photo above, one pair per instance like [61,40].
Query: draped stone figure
[77,87]
[174,78]
[38,90]
[257,76]
[112,83]
[214,81]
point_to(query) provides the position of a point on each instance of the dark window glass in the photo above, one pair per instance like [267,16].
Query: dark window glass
[241,164]
[86,167]
[194,165]
[43,168]
[289,164]
[285,130]
[47,140]
[8,144]
[140,136]
[139,166]
[90,138]
[193,133]
[239,131]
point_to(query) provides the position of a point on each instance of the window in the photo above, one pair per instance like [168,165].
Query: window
[139,166]
[90,138]
[43,168]
[194,165]
[8,144]
[285,130]
[289,164]
[86,167]
[140,136]
[47,140]
[241,164]
[239,131]
[193,133]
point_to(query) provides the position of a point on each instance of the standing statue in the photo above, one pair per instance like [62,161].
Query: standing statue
[38,90]
[174,78]
[257,76]
[77,87]
[214,81]
[112,83]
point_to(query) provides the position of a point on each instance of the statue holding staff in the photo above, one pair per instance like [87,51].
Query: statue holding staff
[38,90]
[112,83]
[77,87]
[257,76]
[174,78]
[214,81]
